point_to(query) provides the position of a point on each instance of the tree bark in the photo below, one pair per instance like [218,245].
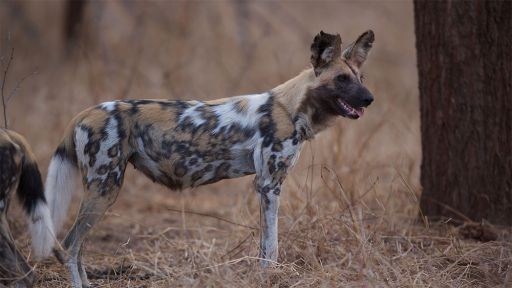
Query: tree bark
[74,14]
[465,72]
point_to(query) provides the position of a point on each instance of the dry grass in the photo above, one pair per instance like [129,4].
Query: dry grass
[349,212]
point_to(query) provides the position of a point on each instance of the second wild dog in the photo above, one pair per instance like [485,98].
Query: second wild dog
[19,173]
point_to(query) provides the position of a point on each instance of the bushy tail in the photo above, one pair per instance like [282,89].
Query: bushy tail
[60,183]
[31,194]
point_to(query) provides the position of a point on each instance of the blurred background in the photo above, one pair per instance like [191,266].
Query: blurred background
[66,59]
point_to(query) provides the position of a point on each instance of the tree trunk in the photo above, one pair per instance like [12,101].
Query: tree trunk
[74,14]
[465,72]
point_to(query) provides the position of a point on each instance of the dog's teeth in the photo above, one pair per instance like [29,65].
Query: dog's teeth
[349,110]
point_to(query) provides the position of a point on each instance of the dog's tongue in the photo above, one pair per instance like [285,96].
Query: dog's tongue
[359,111]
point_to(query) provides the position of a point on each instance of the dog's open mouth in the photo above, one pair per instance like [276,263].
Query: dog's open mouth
[348,111]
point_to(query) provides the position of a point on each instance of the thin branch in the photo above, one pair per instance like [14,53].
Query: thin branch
[449,208]
[18,85]
[212,216]
[227,254]
[3,85]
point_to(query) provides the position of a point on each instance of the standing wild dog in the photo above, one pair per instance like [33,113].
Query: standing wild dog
[184,144]
[19,171]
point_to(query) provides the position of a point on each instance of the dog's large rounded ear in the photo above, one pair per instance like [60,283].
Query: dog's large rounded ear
[325,48]
[357,52]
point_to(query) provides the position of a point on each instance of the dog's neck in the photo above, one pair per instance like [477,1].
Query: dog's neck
[292,95]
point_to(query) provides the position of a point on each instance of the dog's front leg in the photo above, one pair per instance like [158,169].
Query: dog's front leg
[269,205]
[271,164]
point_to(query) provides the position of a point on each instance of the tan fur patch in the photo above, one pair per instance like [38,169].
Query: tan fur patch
[217,101]
[154,114]
[283,120]
[11,136]
[242,105]
[7,142]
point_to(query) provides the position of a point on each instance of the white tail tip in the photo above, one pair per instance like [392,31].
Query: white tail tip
[41,229]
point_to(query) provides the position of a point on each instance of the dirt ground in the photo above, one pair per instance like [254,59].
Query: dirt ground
[349,212]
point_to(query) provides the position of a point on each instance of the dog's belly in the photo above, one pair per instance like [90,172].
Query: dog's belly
[234,164]
[197,169]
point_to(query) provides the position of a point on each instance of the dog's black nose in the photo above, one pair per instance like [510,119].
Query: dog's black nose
[367,101]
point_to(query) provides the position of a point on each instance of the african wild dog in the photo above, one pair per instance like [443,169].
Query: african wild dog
[19,171]
[189,143]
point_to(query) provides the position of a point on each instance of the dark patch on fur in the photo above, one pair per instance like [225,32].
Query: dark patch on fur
[321,43]
[200,173]
[267,126]
[103,169]
[9,171]
[193,161]
[267,130]
[113,151]
[30,188]
[271,164]
[93,145]
[66,154]
[222,172]
[321,100]
[121,133]
[277,147]
[212,119]
[180,169]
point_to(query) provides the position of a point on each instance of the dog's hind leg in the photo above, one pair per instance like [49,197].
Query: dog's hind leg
[93,207]
[81,269]
[13,265]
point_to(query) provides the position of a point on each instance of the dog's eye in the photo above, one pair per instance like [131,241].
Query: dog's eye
[343,78]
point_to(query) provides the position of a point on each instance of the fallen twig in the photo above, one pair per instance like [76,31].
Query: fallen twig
[211,216]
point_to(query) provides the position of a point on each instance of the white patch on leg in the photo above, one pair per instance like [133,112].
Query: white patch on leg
[76,281]
[270,228]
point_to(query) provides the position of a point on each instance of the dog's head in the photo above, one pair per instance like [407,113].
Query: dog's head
[338,88]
